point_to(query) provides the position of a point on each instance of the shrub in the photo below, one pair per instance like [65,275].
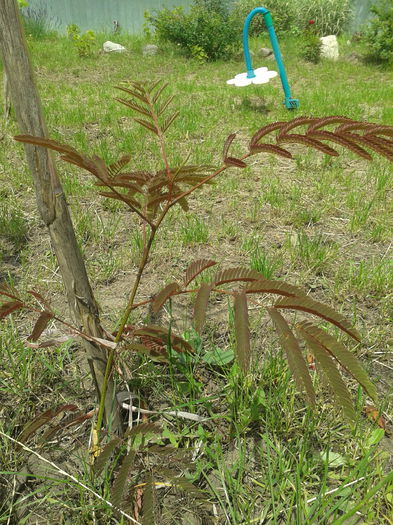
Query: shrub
[83,43]
[330,15]
[379,35]
[282,11]
[311,44]
[207,32]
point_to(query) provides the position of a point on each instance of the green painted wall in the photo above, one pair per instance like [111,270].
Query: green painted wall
[99,15]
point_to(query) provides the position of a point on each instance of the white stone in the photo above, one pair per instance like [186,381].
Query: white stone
[112,47]
[329,47]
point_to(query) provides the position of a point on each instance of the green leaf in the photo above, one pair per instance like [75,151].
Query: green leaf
[218,357]
[242,331]
[296,361]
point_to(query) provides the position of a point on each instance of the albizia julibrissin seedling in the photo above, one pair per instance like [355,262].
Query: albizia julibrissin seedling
[151,194]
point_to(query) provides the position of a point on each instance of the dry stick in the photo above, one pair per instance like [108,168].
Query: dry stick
[70,476]
[51,201]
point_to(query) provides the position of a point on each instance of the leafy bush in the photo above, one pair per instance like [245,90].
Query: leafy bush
[331,16]
[83,43]
[282,11]
[207,32]
[379,36]
[311,44]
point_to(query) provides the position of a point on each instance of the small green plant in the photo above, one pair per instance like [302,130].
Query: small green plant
[84,43]
[311,45]
[207,32]
[36,21]
[379,35]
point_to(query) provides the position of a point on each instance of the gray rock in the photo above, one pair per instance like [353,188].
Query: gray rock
[265,52]
[149,50]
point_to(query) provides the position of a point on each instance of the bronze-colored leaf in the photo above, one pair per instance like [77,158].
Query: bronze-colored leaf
[275,287]
[264,131]
[169,121]
[232,161]
[40,325]
[47,143]
[294,123]
[270,148]
[242,331]
[106,454]
[134,93]
[120,484]
[165,336]
[380,130]
[227,145]
[336,383]
[307,141]
[236,274]
[67,422]
[374,143]
[40,299]
[42,419]
[306,304]
[148,502]
[159,91]
[163,296]
[8,307]
[123,197]
[147,125]
[354,125]
[296,361]
[340,139]
[153,348]
[136,107]
[325,121]
[162,107]
[115,168]
[337,350]
[200,307]
[195,268]
[144,429]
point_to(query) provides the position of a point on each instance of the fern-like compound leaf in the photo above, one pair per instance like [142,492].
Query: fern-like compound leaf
[43,419]
[233,161]
[333,376]
[40,325]
[168,121]
[336,349]
[275,287]
[296,361]
[270,148]
[147,125]
[195,268]
[242,331]
[200,307]
[340,139]
[136,107]
[120,484]
[307,141]
[306,304]
[236,274]
[164,295]
[106,454]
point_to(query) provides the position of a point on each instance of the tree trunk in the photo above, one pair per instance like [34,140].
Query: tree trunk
[51,201]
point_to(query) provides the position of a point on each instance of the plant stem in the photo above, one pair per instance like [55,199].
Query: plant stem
[120,330]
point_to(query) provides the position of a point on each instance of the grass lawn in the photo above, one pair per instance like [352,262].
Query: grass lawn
[324,224]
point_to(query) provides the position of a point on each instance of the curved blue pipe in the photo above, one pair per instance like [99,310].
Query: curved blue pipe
[290,103]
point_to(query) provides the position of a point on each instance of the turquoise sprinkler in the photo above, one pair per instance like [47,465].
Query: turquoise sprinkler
[262,75]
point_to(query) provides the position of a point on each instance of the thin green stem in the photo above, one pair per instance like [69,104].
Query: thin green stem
[120,331]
